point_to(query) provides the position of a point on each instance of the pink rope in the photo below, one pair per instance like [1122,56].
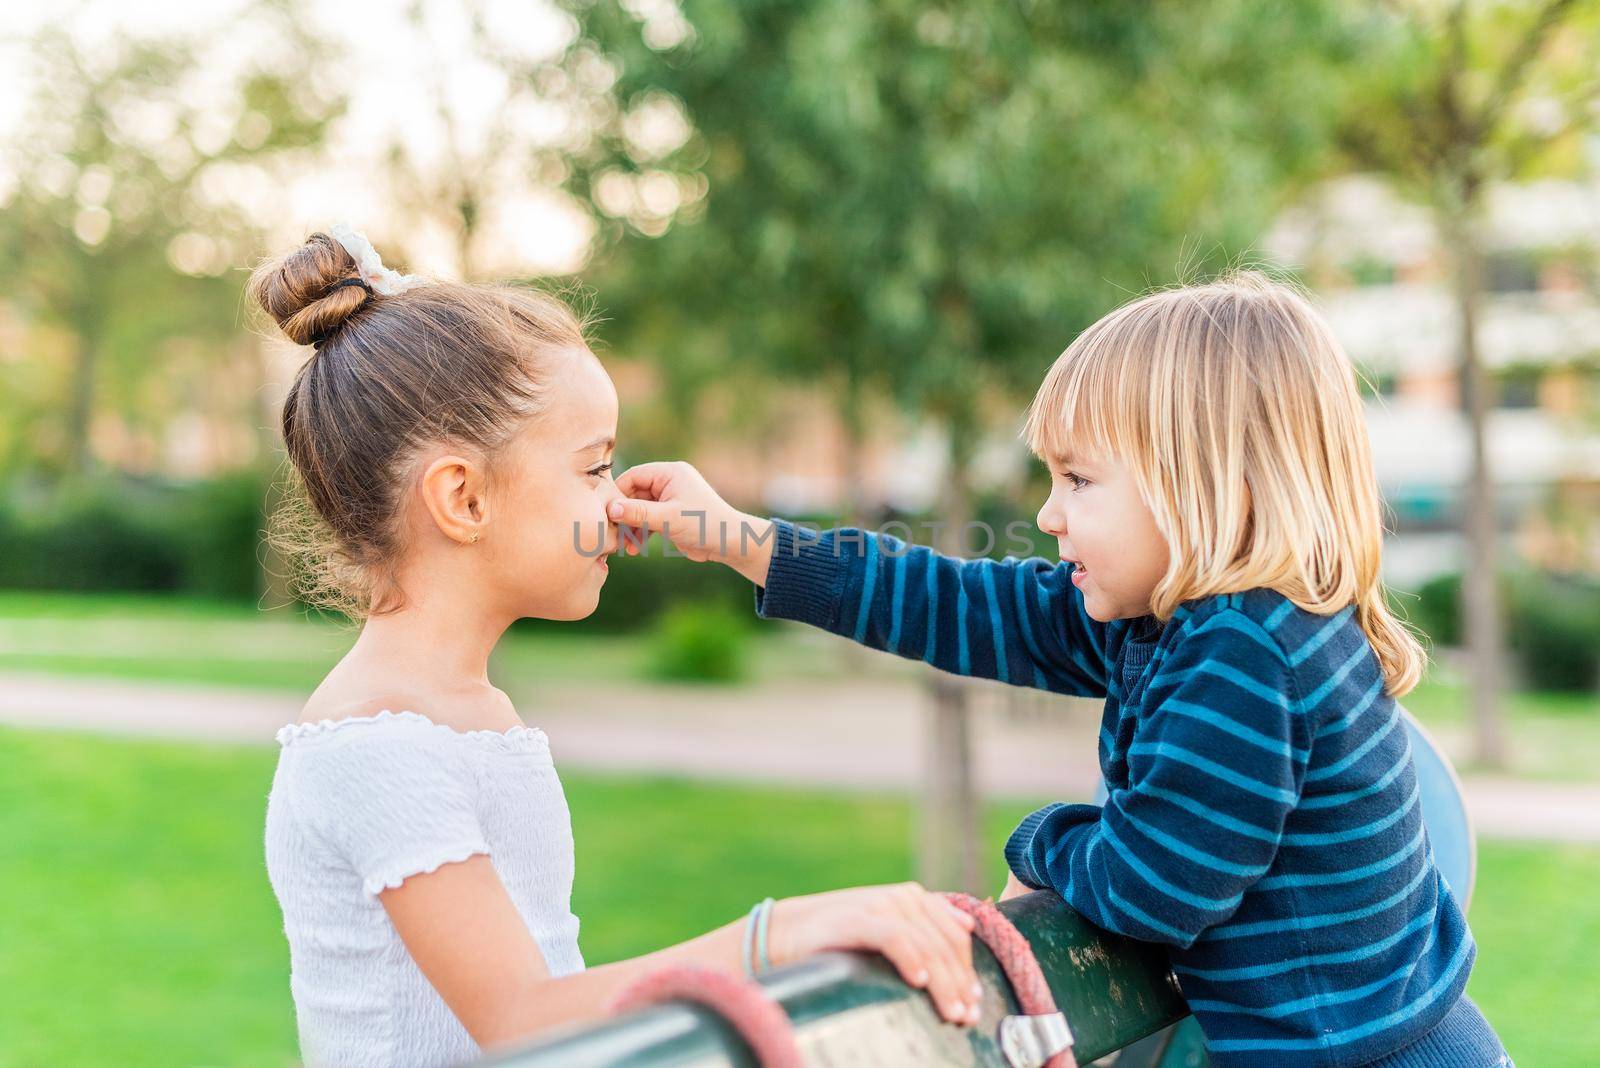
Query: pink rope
[757,1019]
[767,1029]
[1016,959]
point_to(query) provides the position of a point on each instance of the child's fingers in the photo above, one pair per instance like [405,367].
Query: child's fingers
[631,540]
[644,480]
[644,515]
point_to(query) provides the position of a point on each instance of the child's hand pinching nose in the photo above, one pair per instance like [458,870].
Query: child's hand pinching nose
[675,501]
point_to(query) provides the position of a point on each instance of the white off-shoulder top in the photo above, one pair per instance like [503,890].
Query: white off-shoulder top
[358,805]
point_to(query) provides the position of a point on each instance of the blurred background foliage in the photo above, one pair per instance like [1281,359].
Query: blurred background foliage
[830,248]
[903,209]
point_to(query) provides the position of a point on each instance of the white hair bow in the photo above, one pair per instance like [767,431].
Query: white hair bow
[369,266]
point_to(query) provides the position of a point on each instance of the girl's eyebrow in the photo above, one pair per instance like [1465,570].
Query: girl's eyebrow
[605,441]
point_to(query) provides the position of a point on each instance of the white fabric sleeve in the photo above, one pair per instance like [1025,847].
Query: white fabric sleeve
[393,803]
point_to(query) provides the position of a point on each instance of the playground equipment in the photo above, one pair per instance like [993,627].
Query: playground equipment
[851,1010]
[848,1010]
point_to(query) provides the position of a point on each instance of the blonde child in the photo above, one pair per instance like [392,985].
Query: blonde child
[1219,531]
[455,446]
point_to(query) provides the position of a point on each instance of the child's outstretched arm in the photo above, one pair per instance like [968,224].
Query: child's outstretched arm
[1213,774]
[1018,621]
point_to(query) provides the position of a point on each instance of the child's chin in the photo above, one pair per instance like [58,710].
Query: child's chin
[1095,613]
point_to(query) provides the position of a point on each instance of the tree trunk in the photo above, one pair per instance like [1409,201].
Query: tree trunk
[468,217]
[1480,583]
[468,266]
[88,285]
[949,840]
[80,405]
[854,508]
[852,423]
[948,823]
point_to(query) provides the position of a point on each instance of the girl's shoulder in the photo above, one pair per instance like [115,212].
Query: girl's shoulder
[384,776]
[387,796]
[396,759]
[403,730]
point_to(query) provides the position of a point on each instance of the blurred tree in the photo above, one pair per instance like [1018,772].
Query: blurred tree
[125,217]
[507,104]
[1447,100]
[928,200]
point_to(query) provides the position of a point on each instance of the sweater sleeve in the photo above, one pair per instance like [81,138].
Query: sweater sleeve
[1213,771]
[391,803]
[1018,621]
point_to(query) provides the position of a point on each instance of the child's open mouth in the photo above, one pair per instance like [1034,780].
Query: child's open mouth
[1078,572]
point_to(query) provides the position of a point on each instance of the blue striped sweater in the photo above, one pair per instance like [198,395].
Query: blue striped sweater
[1263,818]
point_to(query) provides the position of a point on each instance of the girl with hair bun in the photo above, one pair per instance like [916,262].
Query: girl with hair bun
[452,442]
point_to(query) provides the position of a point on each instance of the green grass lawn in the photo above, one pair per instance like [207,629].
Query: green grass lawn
[137,926]
[1553,736]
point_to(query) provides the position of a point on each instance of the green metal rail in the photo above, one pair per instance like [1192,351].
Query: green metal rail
[851,1010]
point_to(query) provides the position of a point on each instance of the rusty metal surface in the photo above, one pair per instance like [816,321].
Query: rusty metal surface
[852,1011]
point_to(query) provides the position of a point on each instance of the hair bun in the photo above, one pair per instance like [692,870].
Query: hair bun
[311,291]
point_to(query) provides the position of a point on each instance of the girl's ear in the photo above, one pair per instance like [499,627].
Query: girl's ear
[454,490]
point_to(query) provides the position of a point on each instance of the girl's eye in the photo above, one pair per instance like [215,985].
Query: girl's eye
[596,472]
[1075,480]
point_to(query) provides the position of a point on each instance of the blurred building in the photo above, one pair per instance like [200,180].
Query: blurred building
[1382,278]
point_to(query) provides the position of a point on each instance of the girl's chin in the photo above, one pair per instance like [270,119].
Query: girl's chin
[579,602]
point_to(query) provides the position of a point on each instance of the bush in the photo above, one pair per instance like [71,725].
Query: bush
[1436,609]
[199,538]
[222,522]
[89,540]
[700,643]
[1554,632]
[1552,624]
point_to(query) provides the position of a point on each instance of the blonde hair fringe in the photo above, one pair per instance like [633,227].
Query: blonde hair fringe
[1238,413]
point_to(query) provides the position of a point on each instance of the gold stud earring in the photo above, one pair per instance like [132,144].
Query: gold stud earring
[474,539]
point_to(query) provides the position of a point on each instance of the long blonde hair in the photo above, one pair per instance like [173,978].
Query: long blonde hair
[1238,413]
